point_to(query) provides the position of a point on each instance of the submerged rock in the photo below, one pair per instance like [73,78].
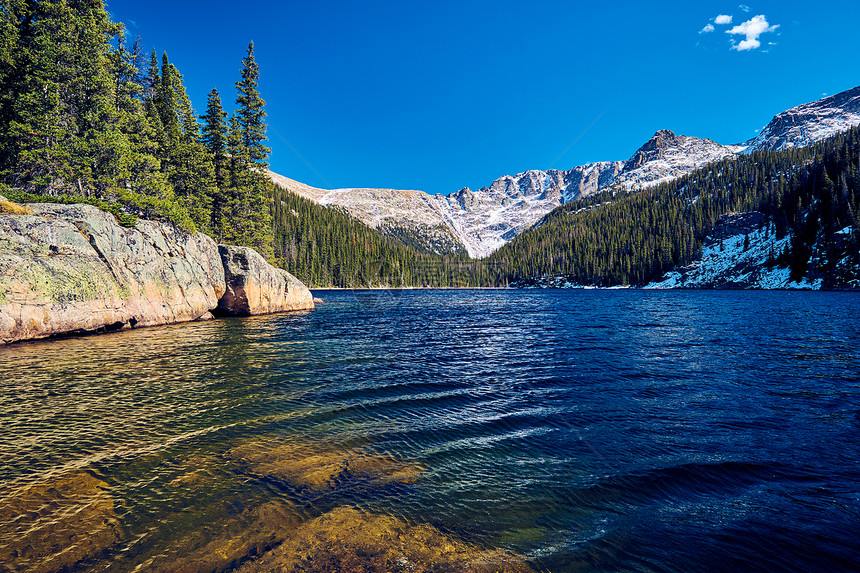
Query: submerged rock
[74,269]
[346,539]
[52,525]
[256,287]
[317,467]
[221,542]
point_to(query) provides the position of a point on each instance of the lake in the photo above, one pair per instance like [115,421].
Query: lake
[585,430]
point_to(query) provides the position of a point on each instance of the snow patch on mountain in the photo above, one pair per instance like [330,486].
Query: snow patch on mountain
[408,215]
[486,219]
[809,123]
[667,156]
[739,253]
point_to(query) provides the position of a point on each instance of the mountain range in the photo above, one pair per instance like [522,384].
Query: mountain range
[482,221]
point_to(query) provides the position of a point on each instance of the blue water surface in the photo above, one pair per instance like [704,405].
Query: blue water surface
[587,430]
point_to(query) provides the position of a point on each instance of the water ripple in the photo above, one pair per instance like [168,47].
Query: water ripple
[589,431]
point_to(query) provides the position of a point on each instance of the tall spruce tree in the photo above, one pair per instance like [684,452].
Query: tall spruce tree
[251,196]
[251,111]
[214,137]
[188,165]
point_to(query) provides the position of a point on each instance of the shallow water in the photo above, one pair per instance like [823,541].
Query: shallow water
[583,430]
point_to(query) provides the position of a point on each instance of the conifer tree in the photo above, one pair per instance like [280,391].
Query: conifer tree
[189,166]
[153,77]
[251,113]
[250,194]
[214,135]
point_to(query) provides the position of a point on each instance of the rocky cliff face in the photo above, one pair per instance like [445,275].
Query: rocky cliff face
[68,269]
[486,219]
[256,287]
[667,156]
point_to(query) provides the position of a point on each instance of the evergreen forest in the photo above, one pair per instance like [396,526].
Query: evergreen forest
[88,115]
[632,238]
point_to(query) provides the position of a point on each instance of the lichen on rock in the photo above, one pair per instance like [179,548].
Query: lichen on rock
[73,268]
[68,269]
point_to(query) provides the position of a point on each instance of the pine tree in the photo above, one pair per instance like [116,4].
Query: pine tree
[214,137]
[215,134]
[189,164]
[250,200]
[251,111]
[153,77]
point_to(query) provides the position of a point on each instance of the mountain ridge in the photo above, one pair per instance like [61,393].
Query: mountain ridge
[482,221]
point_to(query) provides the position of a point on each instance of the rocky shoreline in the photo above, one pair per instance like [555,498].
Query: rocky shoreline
[72,269]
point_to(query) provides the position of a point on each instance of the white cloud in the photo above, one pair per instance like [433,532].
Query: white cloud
[723,19]
[744,7]
[751,29]
[706,29]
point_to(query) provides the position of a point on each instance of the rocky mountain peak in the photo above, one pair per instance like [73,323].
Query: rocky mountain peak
[810,122]
[653,149]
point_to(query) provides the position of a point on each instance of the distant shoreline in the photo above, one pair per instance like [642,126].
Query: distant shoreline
[371,289]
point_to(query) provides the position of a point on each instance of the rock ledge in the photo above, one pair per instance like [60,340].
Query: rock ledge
[72,269]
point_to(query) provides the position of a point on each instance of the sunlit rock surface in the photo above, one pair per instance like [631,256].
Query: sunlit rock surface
[70,269]
[315,466]
[73,268]
[256,287]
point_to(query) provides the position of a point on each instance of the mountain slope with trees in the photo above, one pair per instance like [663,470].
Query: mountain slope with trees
[810,194]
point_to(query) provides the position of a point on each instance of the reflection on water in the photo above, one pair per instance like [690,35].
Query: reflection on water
[411,431]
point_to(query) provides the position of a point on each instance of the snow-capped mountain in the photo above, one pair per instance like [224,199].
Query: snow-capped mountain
[667,156]
[408,215]
[486,219]
[482,221]
[808,123]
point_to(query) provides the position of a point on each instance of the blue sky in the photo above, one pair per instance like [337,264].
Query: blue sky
[442,95]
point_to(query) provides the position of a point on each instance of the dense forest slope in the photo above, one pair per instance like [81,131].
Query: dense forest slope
[810,195]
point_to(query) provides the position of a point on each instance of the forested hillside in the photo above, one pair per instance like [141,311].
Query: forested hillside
[327,247]
[633,238]
[86,116]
